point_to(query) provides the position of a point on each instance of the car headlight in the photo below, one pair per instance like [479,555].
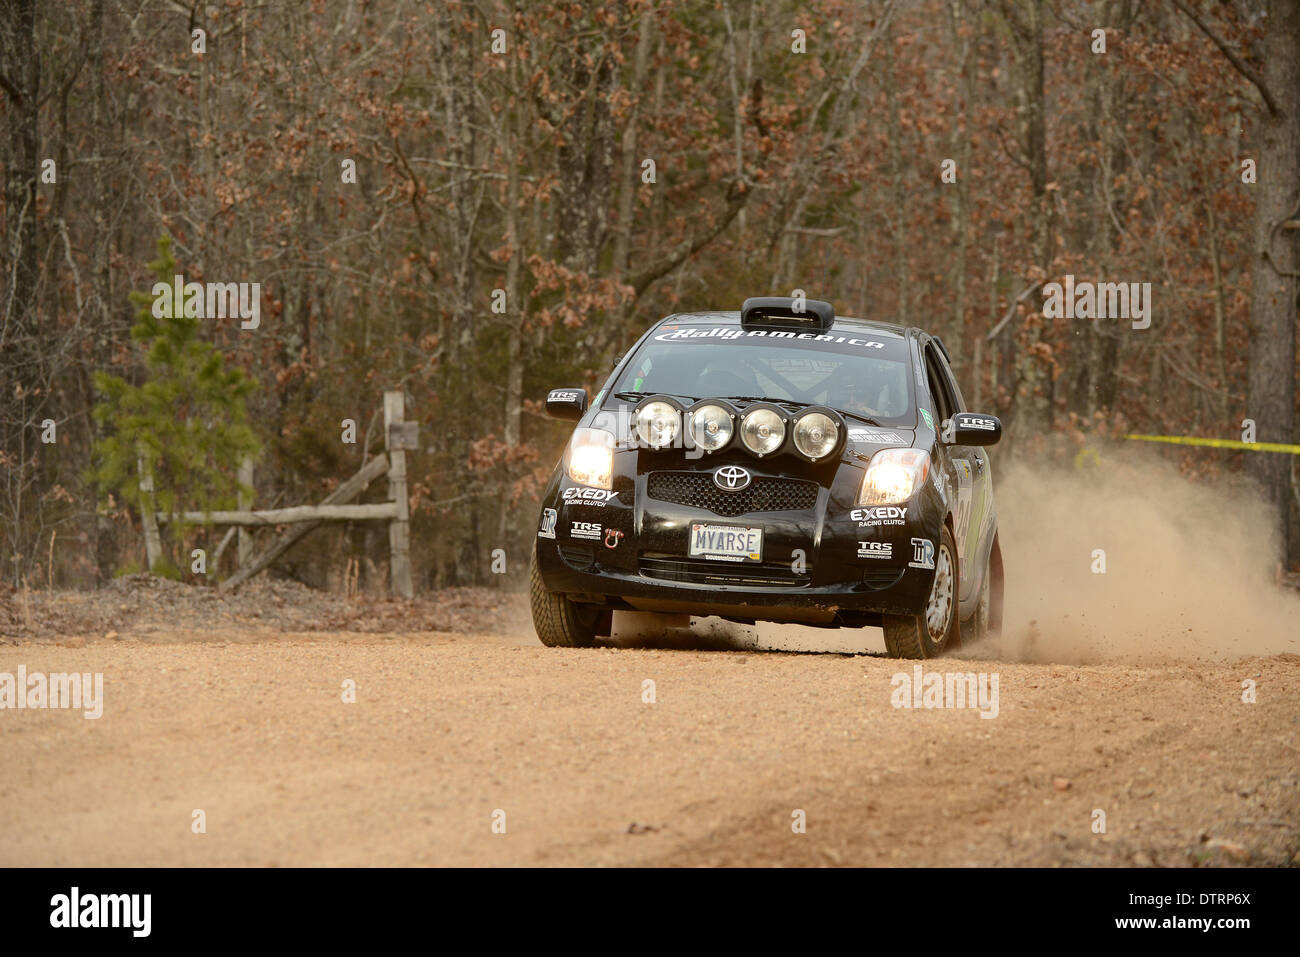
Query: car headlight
[711,427]
[658,424]
[816,434]
[893,476]
[591,458]
[762,430]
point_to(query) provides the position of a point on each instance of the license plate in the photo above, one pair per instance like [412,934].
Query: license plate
[726,543]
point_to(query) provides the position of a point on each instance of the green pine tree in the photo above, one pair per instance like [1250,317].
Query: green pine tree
[186,425]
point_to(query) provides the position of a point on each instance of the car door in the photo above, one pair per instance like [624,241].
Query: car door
[973,467]
[959,466]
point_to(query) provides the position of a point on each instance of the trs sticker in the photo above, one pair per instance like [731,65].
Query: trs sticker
[587,530]
[588,496]
[922,553]
[880,515]
[563,395]
[875,550]
[548,523]
[870,435]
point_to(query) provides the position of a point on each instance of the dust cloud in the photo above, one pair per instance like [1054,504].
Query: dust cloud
[1188,573]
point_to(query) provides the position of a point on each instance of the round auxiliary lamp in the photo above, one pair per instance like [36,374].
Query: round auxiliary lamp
[711,425]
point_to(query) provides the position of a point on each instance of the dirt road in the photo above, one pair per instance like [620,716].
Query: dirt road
[449,730]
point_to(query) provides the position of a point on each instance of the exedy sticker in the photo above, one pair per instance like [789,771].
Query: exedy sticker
[587,496]
[880,515]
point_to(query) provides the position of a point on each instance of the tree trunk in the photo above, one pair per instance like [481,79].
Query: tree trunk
[1033,402]
[1271,389]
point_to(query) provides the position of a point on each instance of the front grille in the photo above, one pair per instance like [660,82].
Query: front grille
[756,574]
[763,494]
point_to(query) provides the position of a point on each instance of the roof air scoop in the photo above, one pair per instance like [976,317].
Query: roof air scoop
[787,313]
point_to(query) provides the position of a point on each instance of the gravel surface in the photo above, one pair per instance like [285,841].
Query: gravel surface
[249,725]
[141,605]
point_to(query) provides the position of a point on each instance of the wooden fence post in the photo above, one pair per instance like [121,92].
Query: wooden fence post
[148,518]
[245,543]
[399,529]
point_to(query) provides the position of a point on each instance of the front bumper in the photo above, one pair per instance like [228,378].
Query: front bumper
[821,564]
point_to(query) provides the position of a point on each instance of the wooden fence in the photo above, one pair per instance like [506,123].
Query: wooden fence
[400,437]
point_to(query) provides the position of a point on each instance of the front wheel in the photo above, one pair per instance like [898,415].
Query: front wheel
[558,621]
[930,633]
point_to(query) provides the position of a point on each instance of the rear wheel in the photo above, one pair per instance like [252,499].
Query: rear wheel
[558,621]
[930,633]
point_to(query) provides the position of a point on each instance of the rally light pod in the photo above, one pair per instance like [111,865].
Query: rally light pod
[808,443]
[710,425]
[780,312]
[657,421]
[764,429]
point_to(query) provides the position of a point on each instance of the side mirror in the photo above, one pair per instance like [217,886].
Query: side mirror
[971,428]
[566,403]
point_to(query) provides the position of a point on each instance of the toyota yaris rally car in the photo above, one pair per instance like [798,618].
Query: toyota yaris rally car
[777,464]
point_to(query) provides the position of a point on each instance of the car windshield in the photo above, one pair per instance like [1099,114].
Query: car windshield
[849,370]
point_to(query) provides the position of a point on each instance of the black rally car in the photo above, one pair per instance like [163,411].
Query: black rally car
[776,464]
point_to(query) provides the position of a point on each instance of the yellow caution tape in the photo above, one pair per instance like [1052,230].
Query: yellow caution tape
[1086,456]
[1220,443]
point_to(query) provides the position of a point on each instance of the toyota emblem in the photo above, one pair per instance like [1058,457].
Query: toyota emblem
[732,478]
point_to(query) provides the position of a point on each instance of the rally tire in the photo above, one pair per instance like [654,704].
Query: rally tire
[913,636]
[997,590]
[560,623]
[976,627]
